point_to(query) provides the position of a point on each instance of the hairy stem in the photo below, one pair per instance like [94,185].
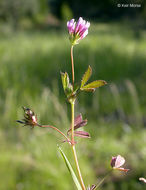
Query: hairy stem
[73,148]
[72,64]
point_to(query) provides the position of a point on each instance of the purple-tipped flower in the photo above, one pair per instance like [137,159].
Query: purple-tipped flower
[117,162]
[78,30]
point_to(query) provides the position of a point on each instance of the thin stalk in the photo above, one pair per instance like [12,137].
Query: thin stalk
[72,64]
[52,127]
[74,150]
[100,183]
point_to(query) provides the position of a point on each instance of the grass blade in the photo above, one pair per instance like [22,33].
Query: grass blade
[70,169]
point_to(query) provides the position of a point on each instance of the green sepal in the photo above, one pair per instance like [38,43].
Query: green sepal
[70,169]
[93,85]
[86,76]
[68,88]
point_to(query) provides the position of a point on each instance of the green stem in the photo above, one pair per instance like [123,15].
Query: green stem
[72,122]
[73,148]
[72,64]
[72,128]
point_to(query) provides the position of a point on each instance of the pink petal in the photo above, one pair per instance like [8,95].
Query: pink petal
[119,161]
[87,24]
[82,134]
[79,122]
[84,34]
[80,21]
[71,26]
[81,27]
[78,119]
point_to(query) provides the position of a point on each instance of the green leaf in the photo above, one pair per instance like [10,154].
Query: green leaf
[65,80]
[86,76]
[69,167]
[68,89]
[95,84]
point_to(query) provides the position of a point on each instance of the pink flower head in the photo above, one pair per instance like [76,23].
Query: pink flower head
[78,30]
[117,162]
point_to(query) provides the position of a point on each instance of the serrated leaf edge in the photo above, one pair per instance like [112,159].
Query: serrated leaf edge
[86,88]
[84,80]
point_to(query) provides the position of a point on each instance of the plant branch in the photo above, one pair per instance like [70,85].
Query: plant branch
[52,127]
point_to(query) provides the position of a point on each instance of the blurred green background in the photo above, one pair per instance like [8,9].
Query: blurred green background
[34,48]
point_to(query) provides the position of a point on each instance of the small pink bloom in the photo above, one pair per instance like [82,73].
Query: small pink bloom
[77,31]
[117,162]
[142,179]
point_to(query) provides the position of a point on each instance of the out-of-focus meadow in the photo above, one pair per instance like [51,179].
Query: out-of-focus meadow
[30,63]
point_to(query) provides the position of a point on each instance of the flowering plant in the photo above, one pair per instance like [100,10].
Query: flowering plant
[77,31]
